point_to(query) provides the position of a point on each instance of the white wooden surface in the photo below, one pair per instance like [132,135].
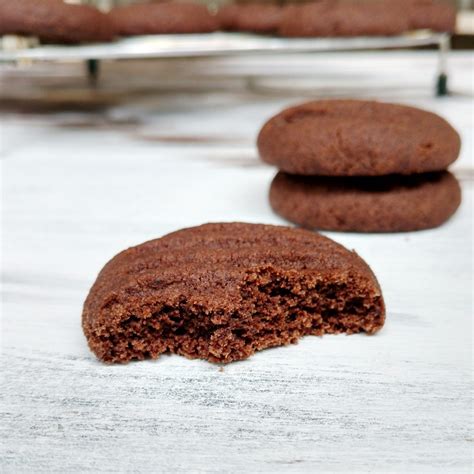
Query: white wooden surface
[80,185]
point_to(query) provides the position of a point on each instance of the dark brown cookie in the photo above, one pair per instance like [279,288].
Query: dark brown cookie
[162,18]
[333,18]
[366,204]
[357,138]
[430,14]
[223,291]
[252,17]
[54,21]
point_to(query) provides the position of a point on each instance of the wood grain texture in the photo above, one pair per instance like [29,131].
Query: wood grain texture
[80,185]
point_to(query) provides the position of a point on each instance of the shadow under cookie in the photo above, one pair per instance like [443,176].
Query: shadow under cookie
[391,203]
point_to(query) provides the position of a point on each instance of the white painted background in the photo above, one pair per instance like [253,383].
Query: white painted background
[80,185]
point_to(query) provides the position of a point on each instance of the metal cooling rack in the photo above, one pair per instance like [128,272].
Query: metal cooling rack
[223,44]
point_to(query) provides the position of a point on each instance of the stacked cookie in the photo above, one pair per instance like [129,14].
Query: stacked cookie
[362,166]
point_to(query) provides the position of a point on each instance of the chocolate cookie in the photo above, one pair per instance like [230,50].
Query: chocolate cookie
[357,138]
[366,204]
[54,21]
[224,291]
[162,18]
[333,18]
[430,14]
[253,17]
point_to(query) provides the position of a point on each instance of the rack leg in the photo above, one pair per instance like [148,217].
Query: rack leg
[93,69]
[442,79]
[442,85]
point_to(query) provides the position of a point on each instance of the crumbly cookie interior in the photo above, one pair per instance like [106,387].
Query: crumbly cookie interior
[277,308]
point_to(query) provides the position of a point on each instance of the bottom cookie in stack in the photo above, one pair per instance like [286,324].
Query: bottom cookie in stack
[391,203]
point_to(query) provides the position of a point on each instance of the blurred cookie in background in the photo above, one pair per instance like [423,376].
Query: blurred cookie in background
[333,18]
[328,18]
[162,18]
[54,21]
[430,14]
[251,17]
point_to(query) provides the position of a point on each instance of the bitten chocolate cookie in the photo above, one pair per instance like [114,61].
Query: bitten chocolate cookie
[54,21]
[357,138]
[224,291]
[366,204]
[334,18]
[252,17]
[162,18]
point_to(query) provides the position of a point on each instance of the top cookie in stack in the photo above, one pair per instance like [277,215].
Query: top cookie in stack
[362,166]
